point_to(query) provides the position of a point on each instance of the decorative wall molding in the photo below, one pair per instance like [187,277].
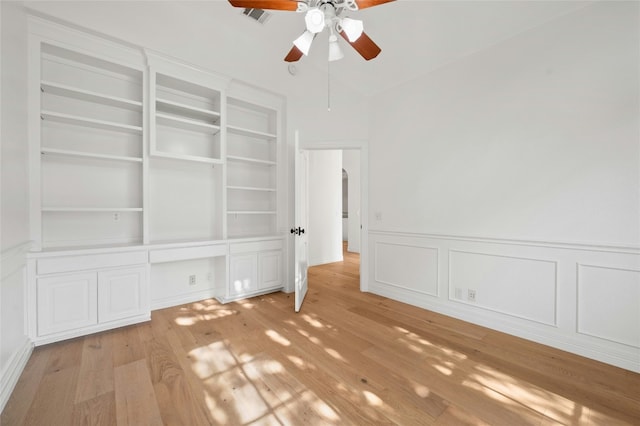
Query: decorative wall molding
[595,246]
[430,274]
[596,285]
[522,289]
[528,289]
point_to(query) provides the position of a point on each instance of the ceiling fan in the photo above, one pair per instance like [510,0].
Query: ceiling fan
[321,14]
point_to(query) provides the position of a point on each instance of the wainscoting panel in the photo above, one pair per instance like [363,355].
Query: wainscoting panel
[407,266]
[609,303]
[525,288]
[576,297]
[15,346]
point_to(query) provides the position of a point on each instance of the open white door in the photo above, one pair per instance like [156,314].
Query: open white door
[301,245]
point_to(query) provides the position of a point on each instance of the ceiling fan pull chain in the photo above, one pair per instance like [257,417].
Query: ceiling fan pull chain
[329,86]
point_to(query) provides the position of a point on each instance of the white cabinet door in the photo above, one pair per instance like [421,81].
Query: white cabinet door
[270,269]
[243,271]
[66,302]
[122,293]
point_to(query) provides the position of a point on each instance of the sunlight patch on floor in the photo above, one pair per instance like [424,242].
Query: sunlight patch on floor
[300,363]
[246,304]
[215,410]
[444,370]
[277,338]
[538,399]
[211,359]
[421,390]
[255,389]
[335,354]
[373,399]
[312,321]
[193,318]
[311,338]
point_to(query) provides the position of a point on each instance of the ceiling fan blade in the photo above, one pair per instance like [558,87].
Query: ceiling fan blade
[266,4]
[294,55]
[364,45]
[363,4]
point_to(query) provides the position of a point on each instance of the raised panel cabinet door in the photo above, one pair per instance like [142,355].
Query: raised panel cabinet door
[243,274]
[66,302]
[270,269]
[122,294]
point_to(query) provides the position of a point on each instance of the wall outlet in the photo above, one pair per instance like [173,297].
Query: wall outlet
[192,280]
[471,295]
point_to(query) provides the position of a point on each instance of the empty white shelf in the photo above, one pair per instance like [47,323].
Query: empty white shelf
[71,153]
[89,122]
[87,95]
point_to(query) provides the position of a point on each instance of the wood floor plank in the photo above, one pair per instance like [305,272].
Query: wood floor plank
[127,345]
[135,399]
[95,375]
[97,411]
[177,403]
[53,402]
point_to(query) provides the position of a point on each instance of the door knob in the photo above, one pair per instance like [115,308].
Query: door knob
[297,231]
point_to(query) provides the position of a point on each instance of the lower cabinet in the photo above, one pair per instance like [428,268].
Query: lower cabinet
[79,303]
[122,294]
[243,271]
[79,293]
[254,268]
[270,269]
[67,302]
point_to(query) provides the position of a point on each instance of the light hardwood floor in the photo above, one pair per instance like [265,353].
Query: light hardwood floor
[347,358]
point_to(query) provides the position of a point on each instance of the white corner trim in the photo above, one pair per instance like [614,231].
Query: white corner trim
[12,371]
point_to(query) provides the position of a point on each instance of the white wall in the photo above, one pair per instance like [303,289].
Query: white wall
[351,164]
[325,207]
[514,172]
[14,233]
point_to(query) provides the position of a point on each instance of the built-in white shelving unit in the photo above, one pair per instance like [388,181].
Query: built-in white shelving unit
[186,167]
[252,158]
[150,185]
[186,114]
[91,150]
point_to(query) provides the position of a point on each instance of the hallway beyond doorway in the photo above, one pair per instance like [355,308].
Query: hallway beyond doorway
[348,271]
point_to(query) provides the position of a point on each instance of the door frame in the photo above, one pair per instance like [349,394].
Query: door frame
[362,146]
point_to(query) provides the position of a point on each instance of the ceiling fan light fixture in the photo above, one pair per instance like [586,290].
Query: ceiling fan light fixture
[304,42]
[314,19]
[335,52]
[353,28]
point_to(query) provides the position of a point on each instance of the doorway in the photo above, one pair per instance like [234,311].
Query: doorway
[335,229]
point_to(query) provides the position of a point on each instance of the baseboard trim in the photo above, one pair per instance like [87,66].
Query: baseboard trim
[182,299]
[12,371]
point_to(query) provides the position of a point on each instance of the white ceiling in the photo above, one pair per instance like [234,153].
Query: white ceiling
[415,36]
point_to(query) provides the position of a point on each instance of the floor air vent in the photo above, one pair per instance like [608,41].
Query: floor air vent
[258,15]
